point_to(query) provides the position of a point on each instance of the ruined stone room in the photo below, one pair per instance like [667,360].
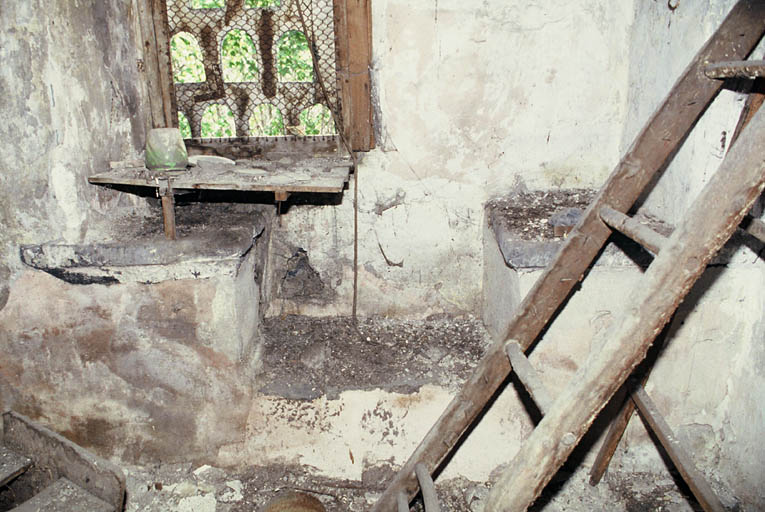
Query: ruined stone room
[382,255]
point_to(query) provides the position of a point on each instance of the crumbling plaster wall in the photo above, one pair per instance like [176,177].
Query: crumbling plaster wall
[472,99]
[144,369]
[71,102]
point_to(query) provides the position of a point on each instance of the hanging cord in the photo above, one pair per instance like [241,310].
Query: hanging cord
[344,140]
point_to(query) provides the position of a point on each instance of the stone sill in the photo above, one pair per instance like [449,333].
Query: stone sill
[215,241]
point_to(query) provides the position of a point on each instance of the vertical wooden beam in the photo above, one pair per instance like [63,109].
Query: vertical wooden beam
[353,45]
[155,42]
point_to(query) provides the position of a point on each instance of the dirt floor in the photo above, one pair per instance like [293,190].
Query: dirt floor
[308,357]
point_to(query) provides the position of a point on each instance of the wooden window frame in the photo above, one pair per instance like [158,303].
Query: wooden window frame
[353,49]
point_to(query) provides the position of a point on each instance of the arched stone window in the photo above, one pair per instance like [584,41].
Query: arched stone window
[186,57]
[218,121]
[266,121]
[207,4]
[293,58]
[183,125]
[238,61]
[317,120]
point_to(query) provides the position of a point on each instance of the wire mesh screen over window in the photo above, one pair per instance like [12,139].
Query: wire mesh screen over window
[243,67]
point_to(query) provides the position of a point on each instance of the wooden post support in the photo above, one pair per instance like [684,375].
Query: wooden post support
[165,192]
[708,224]
[660,137]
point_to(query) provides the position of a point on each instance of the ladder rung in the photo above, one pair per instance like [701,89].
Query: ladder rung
[736,69]
[403,502]
[756,228]
[628,226]
[528,376]
[676,451]
[429,498]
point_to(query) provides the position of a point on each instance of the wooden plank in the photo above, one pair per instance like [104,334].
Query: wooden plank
[63,496]
[11,465]
[528,376]
[329,180]
[342,52]
[151,64]
[709,223]
[661,136]
[736,69]
[677,452]
[64,459]
[354,53]
[628,226]
[164,63]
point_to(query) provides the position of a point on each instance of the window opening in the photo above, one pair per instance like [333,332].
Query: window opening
[266,121]
[184,126]
[293,59]
[238,57]
[316,120]
[253,53]
[262,3]
[187,59]
[207,4]
[218,121]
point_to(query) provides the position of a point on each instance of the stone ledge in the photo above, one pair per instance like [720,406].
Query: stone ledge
[208,249]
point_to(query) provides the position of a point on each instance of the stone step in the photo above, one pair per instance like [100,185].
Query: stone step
[11,465]
[63,496]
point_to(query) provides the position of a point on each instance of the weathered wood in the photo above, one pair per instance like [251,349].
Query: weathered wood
[150,65]
[429,497]
[756,228]
[329,180]
[677,452]
[63,496]
[12,465]
[628,226]
[753,103]
[662,134]
[403,502]
[165,84]
[353,45]
[528,376]
[736,69]
[63,458]
[342,55]
[709,223]
[620,422]
[168,216]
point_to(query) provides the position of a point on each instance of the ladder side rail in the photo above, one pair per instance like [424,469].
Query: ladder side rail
[709,223]
[736,37]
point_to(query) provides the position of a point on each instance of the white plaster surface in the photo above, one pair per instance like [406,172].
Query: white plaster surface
[474,99]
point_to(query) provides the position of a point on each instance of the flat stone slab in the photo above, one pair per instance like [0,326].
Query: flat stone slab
[11,465]
[64,496]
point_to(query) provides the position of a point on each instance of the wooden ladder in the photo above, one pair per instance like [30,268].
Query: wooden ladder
[680,260]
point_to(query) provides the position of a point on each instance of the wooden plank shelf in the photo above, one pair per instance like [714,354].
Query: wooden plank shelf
[314,175]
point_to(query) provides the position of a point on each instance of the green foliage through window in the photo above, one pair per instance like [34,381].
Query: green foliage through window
[317,120]
[186,58]
[293,58]
[262,3]
[238,57]
[218,121]
[207,4]
[184,126]
[266,121]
